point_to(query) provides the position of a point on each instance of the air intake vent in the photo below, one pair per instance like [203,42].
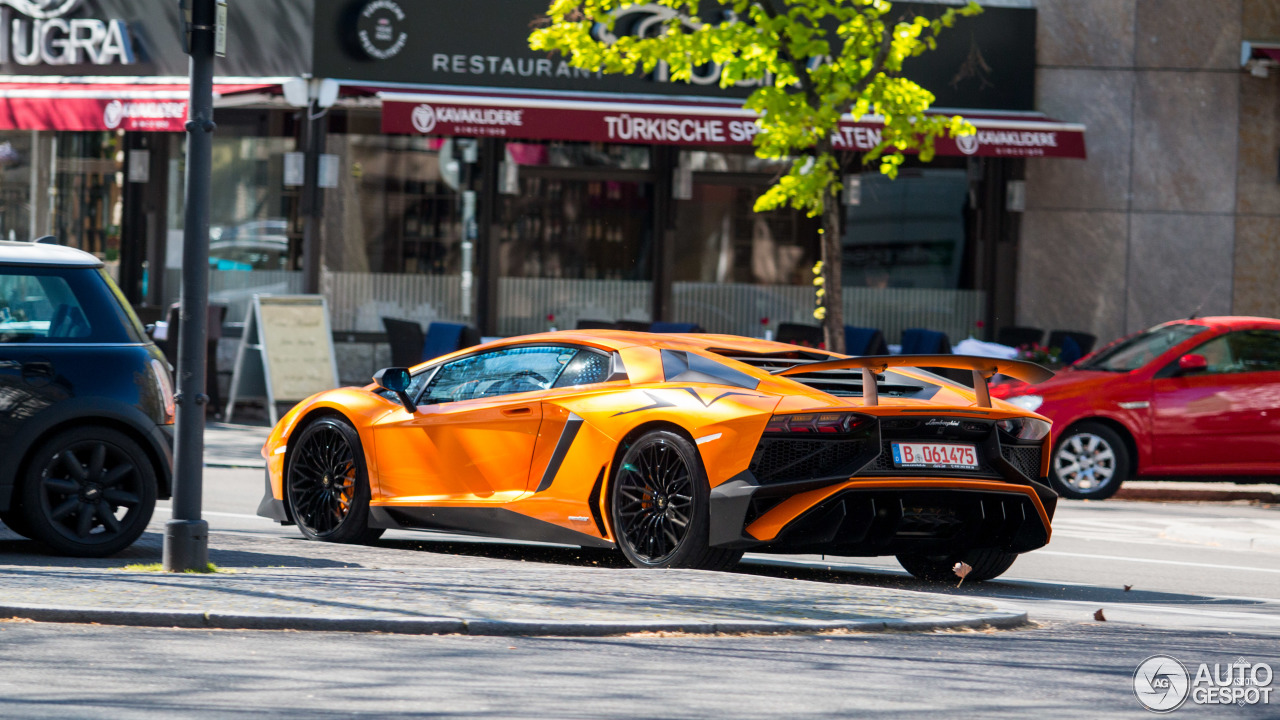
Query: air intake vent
[786,459]
[1026,458]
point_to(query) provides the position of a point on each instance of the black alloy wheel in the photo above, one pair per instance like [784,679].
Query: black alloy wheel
[327,484]
[659,506]
[88,492]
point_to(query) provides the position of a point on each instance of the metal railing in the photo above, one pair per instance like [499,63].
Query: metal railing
[358,301]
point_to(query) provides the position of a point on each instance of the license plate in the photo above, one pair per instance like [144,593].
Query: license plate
[935,456]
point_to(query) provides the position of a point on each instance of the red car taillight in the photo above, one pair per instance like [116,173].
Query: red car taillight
[817,423]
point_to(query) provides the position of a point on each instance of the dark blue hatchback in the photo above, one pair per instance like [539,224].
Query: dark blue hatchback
[86,405]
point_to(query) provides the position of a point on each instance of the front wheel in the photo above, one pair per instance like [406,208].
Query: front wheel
[987,563]
[659,506]
[88,492]
[1089,462]
[327,484]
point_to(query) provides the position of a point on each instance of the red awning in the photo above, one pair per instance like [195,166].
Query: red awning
[100,106]
[677,122]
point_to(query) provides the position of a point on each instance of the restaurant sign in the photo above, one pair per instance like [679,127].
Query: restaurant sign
[42,32]
[543,118]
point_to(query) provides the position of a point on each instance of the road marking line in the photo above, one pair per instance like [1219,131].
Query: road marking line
[1153,561]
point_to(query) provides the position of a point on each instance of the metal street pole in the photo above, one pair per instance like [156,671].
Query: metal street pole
[186,536]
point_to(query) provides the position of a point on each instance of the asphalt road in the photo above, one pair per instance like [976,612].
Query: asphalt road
[1197,603]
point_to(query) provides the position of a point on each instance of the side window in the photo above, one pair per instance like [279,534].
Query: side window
[40,308]
[500,372]
[1242,352]
[585,368]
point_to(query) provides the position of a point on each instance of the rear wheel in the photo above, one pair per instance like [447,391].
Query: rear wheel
[987,563]
[88,492]
[1089,462]
[327,484]
[659,506]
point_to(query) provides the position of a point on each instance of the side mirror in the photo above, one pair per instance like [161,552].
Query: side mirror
[396,379]
[1192,363]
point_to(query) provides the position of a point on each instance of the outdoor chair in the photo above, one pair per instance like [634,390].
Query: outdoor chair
[595,325]
[1071,345]
[918,341]
[864,341]
[801,334]
[217,313]
[406,340]
[1015,336]
[444,338]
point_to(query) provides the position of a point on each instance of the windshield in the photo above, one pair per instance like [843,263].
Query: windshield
[1133,352]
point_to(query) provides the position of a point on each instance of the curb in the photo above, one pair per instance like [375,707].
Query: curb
[238,464]
[1001,618]
[1228,539]
[1172,494]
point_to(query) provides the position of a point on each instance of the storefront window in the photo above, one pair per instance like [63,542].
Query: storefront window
[87,211]
[67,184]
[252,223]
[397,206]
[579,211]
[720,237]
[908,232]
[16,165]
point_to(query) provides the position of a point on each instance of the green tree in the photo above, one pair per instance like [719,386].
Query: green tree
[812,61]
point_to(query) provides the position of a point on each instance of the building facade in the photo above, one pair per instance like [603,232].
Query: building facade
[1177,208]
[458,175]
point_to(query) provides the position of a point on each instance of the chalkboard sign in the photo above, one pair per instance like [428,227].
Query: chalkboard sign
[286,352]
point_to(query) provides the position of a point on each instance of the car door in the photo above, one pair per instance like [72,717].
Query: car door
[473,435]
[40,319]
[1225,418]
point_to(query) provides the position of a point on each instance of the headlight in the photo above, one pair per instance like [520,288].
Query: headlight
[1025,428]
[1030,403]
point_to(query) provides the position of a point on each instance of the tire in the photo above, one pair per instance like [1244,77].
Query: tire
[987,563]
[1089,462]
[659,506]
[88,492]
[327,484]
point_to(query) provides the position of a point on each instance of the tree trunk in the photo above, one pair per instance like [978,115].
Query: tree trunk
[832,267]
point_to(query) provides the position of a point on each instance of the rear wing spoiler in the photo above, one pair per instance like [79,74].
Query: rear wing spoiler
[982,368]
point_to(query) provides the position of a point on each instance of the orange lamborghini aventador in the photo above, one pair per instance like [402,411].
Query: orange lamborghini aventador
[678,450]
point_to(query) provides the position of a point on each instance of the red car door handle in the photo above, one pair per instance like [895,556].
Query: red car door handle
[517,411]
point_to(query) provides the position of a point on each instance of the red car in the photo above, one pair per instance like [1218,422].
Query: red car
[1197,397]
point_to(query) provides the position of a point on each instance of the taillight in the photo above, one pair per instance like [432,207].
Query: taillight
[816,423]
[166,389]
[1025,428]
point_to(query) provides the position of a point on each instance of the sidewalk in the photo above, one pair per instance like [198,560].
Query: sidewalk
[268,582]
[234,445]
[1190,491]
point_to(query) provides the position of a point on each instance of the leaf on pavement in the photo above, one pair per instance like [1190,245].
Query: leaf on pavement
[1097,615]
[961,569]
